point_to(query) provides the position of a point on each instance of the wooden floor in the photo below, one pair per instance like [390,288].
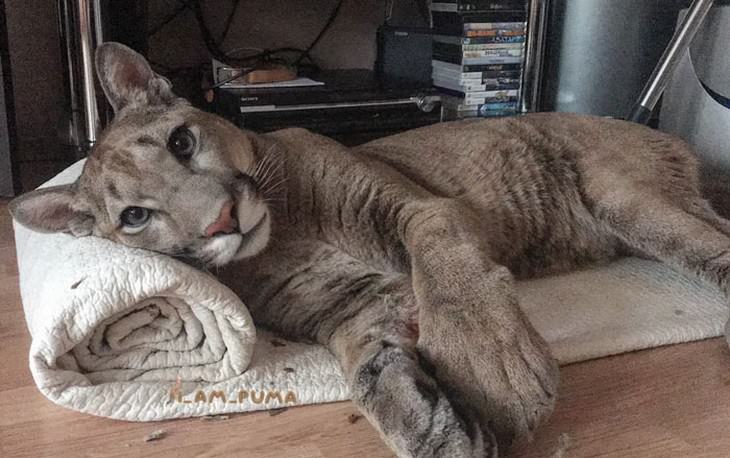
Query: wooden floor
[667,402]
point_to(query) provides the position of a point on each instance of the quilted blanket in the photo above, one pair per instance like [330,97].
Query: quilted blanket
[134,335]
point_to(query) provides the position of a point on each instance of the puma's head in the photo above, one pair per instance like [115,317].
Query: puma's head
[164,176]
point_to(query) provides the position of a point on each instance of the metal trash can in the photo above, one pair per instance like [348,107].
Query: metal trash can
[696,103]
[600,53]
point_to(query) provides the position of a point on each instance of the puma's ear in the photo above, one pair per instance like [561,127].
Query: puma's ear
[51,210]
[127,78]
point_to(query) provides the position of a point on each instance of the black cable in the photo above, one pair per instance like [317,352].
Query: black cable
[214,46]
[265,55]
[208,39]
[324,30]
[229,21]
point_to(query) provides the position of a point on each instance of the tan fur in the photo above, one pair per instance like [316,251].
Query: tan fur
[399,255]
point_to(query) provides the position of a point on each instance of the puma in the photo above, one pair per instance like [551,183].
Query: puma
[400,254]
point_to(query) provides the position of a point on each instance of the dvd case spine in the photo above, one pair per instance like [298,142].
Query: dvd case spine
[475,85]
[459,68]
[495,96]
[439,46]
[475,60]
[497,39]
[508,47]
[447,23]
[477,77]
[476,5]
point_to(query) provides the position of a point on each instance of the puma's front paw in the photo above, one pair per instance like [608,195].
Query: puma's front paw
[508,383]
[411,411]
[492,365]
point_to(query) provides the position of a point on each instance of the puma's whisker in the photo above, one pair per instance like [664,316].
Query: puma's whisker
[269,171]
[271,188]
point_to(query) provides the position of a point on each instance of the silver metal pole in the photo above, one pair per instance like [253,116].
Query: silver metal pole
[98,23]
[67,26]
[534,52]
[86,34]
[678,45]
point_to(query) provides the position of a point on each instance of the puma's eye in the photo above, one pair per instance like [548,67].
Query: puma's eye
[181,143]
[135,216]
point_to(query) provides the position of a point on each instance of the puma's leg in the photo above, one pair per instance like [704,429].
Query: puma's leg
[705,212]
[485,353]
[702,209]
[366,317]
[684,233]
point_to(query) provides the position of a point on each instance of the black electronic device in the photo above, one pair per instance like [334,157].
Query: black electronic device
[352,106]
[404,55]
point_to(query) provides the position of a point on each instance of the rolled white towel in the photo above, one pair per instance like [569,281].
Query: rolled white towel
[102,314]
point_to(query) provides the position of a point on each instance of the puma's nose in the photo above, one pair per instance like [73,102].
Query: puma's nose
[225,223]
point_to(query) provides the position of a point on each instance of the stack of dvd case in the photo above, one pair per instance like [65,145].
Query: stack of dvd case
[478,53]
